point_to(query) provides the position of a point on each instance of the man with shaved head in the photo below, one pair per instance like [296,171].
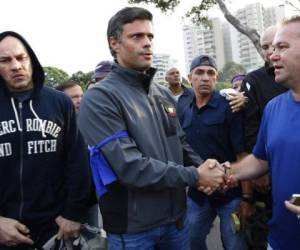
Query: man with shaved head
[260,87]
[173,79]
[44,178]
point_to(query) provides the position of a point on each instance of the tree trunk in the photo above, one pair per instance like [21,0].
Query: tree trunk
[252,34]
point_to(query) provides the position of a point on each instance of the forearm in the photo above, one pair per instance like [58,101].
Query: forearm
[77,180]
[249,168]
[246,185]
[136,171]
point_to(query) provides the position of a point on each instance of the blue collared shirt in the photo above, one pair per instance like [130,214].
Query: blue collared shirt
[213,131]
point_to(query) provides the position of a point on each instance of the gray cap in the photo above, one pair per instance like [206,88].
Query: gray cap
[203,60]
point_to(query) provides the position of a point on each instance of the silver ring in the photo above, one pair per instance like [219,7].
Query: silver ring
[298,216]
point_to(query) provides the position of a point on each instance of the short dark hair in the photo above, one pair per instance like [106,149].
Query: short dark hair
[122,17]
[67,84]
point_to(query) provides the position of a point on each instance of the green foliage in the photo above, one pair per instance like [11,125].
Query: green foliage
[198,14]
[163,5]
[185,82]
[54,76]
[231,69]
[82,78]
[223,85]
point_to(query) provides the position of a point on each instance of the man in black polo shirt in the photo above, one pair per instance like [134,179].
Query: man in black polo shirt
[213,131]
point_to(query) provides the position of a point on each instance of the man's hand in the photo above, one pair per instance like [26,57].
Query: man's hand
[293,208]
[237,101]
[211,176]
[68,229]
[13,233]
[230,180]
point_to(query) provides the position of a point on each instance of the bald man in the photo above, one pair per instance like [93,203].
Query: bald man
[260,87]
[278,141]
[173,78]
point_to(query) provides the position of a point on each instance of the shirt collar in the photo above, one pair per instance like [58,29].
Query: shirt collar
[213,101]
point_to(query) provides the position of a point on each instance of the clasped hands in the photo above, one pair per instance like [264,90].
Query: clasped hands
[214,176]
[13,232]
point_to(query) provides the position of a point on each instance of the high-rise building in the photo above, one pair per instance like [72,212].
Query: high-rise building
[204,40]
[251,16]
[225,43]
[227,36]
[259,18]
[162,62]
[273,15]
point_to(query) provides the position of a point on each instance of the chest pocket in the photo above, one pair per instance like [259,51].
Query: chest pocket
[167,112]
[214,121]
[214,125]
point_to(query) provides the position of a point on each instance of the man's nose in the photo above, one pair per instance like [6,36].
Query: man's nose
[205,77]
[15,64]
[147,41]
[274,56]
[270,50]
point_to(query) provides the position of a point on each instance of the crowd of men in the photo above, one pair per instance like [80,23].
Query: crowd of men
[148,144]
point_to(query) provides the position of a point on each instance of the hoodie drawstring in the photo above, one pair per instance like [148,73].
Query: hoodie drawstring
[16,114]
[36,116]
[34,113]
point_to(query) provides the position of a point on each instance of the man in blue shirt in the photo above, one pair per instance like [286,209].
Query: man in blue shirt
[279,139]
[213,131]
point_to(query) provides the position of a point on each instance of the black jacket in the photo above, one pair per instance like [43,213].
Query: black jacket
[43,163]
[260,87]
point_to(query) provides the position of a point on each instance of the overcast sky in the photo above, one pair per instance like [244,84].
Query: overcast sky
[71,34]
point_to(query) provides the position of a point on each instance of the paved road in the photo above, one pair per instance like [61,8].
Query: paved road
[214,239]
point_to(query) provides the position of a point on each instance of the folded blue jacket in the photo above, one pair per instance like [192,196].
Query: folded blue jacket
[102,172]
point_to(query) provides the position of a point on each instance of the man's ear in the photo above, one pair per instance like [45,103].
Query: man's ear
[114,44]
[190,78]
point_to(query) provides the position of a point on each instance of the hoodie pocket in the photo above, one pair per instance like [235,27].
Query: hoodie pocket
[46,198]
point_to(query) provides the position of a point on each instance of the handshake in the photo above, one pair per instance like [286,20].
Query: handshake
[214,176]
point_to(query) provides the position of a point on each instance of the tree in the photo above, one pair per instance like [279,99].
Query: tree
[293,4]
[198,14]
[82,78]
[185,82]
[223,85]
[231,69]
[54,76]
